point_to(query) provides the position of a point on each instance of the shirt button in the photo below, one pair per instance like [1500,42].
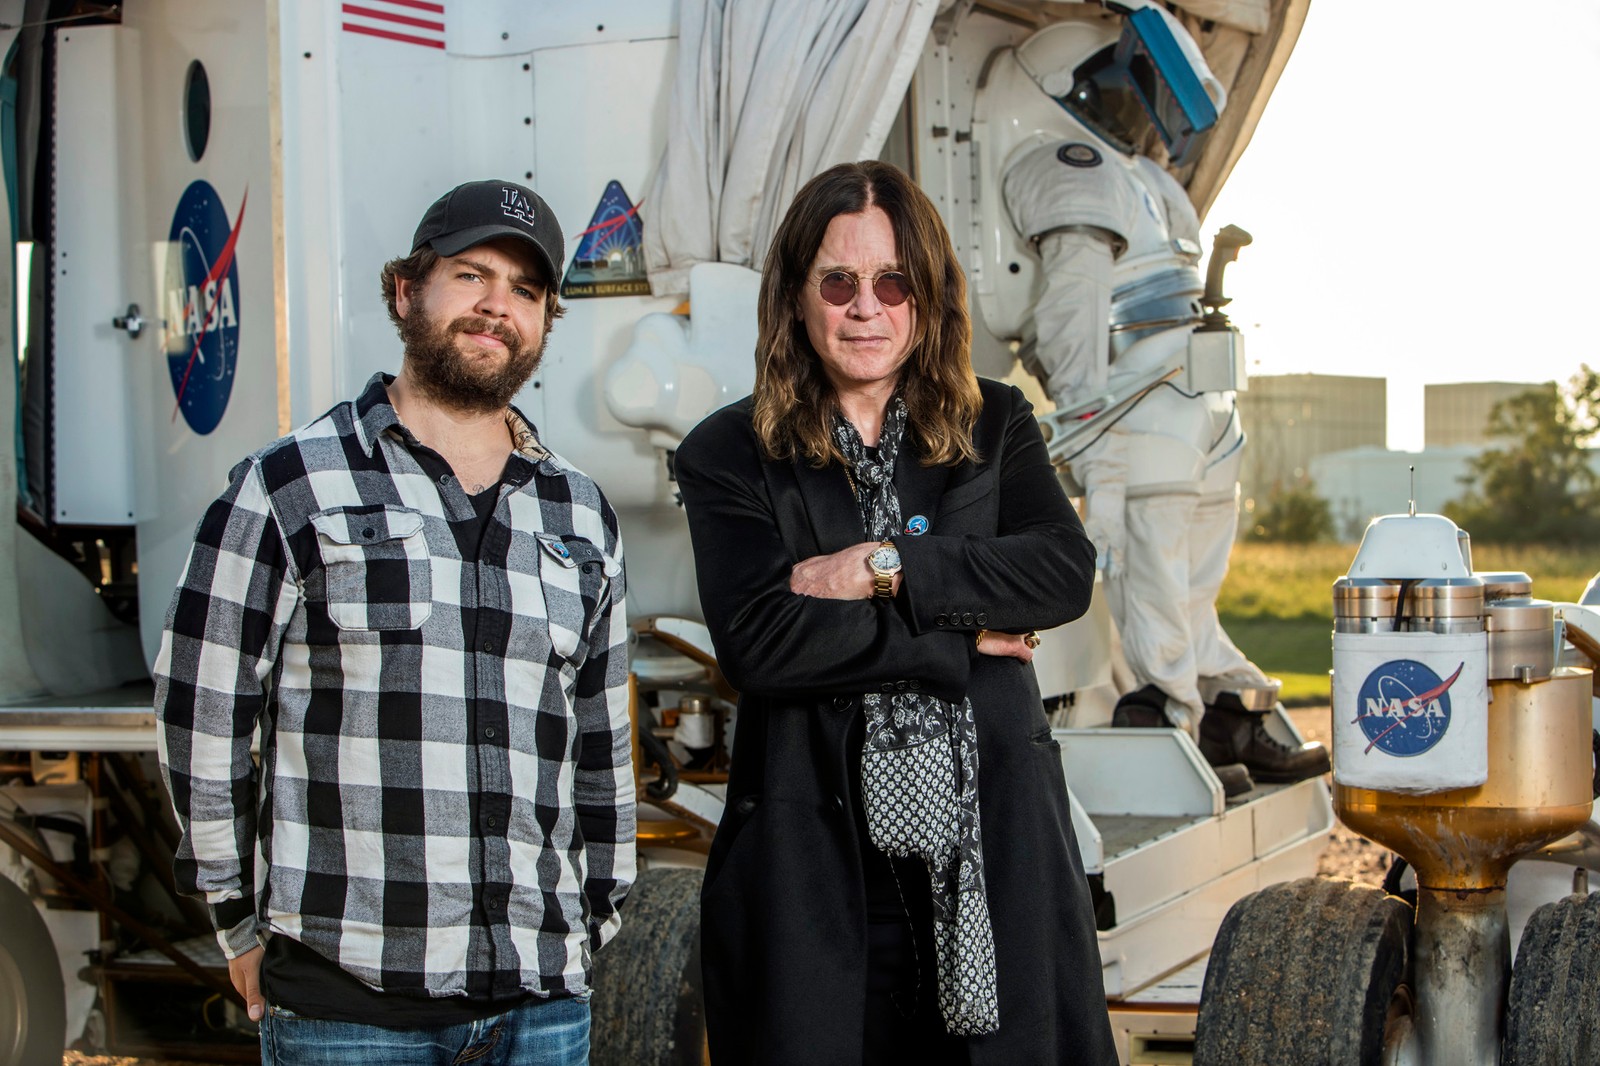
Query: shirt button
[488,645]
[966,619]
[489,733]
[444,479]
[369,533]
[746,806]
[493,822]
[982,619]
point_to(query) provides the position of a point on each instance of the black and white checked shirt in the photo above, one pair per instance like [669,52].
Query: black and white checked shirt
[446,801]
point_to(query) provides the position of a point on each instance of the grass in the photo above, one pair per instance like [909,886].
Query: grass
[1277,603]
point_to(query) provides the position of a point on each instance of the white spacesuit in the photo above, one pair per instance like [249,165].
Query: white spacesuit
[1118,242]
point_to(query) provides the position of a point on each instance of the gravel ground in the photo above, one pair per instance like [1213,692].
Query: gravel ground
[1348,855]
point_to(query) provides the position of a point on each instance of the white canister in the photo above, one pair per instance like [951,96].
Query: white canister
[1410,711]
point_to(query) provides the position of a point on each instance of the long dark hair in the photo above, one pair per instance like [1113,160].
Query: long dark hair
[794,400]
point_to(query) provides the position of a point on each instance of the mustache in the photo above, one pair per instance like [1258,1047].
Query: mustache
[487,326]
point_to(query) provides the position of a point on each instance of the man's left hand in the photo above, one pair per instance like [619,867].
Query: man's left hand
[843,575]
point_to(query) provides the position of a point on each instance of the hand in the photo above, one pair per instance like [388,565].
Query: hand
[245,972]
[1013,645]
[843,575]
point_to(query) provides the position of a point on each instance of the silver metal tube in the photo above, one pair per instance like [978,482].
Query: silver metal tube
[1462,965]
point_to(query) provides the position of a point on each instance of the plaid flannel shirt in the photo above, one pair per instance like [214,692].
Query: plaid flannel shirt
[446,801]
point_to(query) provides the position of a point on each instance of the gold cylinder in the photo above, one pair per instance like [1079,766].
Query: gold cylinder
[1540,788]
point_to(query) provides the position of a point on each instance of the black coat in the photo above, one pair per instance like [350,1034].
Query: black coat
[783,907]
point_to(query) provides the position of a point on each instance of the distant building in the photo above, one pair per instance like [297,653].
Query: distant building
[1363,483]
[1293,418]
[1458,413]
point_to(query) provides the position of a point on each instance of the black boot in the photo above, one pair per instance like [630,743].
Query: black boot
[1146,708]
[1229,733]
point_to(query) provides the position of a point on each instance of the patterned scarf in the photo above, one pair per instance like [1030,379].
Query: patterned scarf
[919,777]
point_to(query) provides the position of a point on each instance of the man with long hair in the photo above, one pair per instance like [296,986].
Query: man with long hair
[877,532]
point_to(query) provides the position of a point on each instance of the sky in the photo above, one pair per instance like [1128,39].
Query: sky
[1424,194]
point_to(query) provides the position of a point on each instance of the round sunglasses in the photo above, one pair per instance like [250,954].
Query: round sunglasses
[839,287]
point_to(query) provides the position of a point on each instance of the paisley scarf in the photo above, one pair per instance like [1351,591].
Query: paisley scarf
[919,776]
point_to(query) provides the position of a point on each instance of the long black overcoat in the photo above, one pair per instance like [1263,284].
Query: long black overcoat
[783,906]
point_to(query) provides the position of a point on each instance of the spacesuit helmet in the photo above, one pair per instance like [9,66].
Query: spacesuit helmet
[1149,77]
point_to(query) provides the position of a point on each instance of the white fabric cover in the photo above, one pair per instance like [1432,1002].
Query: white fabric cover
[768,94]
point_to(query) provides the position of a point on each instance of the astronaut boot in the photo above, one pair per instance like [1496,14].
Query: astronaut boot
[1146,708]
[1230,733]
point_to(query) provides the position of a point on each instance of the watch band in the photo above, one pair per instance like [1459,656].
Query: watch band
[882,585]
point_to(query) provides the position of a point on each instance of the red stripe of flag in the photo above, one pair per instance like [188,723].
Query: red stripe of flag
[420,5]
[350,27]
[404,20]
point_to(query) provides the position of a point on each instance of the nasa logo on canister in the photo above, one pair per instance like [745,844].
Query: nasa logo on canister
[1403,707]
[200,301]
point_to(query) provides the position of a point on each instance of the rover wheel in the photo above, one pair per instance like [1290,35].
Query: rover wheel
[33,1000]
[649,1006]
[1553,1007]
[1310,972]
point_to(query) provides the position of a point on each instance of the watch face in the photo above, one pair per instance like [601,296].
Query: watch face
[884,558]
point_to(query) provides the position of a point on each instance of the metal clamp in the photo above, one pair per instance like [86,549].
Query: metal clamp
[132,321]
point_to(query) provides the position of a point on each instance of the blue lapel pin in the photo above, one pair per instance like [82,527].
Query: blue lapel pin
[917,526]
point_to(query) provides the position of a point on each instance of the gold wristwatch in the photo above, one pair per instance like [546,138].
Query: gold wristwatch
[884,563]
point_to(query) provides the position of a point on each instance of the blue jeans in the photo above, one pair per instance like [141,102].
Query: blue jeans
[541,1032]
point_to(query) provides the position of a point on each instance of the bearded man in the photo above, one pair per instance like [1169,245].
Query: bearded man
[417,609]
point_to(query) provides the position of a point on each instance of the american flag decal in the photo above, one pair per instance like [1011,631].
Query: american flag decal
[418,22]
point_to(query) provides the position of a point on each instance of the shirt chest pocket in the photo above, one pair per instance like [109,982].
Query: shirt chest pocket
[375,561]
[573,574]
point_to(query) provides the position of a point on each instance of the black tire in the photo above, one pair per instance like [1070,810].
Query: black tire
[33,999]
[1553,1007]
[649,1005]
[1304,972]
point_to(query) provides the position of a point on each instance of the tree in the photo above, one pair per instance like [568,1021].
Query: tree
[1538,487]
[1296,515]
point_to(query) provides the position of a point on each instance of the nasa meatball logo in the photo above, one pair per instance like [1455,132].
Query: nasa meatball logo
[1404,708]
[200,301]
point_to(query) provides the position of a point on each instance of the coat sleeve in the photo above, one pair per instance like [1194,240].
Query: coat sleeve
[1036,573]
[770,640]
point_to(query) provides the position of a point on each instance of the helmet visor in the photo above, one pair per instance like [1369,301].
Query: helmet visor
[1103,98]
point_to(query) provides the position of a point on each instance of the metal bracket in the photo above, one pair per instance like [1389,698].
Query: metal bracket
[132,321]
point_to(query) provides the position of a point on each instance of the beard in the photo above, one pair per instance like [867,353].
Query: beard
[451,379]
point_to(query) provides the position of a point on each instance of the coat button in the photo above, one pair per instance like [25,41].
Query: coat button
[887,686]
[982,619]
[966,619]
[916,686]
[746,806]
[900,686]
[837,804]
[842,703]
[941,620]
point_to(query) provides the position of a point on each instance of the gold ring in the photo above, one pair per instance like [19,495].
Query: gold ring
[1031,639]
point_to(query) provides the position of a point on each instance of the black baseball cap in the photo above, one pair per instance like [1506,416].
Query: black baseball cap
[482,211]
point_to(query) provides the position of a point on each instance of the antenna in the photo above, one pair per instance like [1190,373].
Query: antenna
[1413,469]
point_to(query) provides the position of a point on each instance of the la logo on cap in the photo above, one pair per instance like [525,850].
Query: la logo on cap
[513,203]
